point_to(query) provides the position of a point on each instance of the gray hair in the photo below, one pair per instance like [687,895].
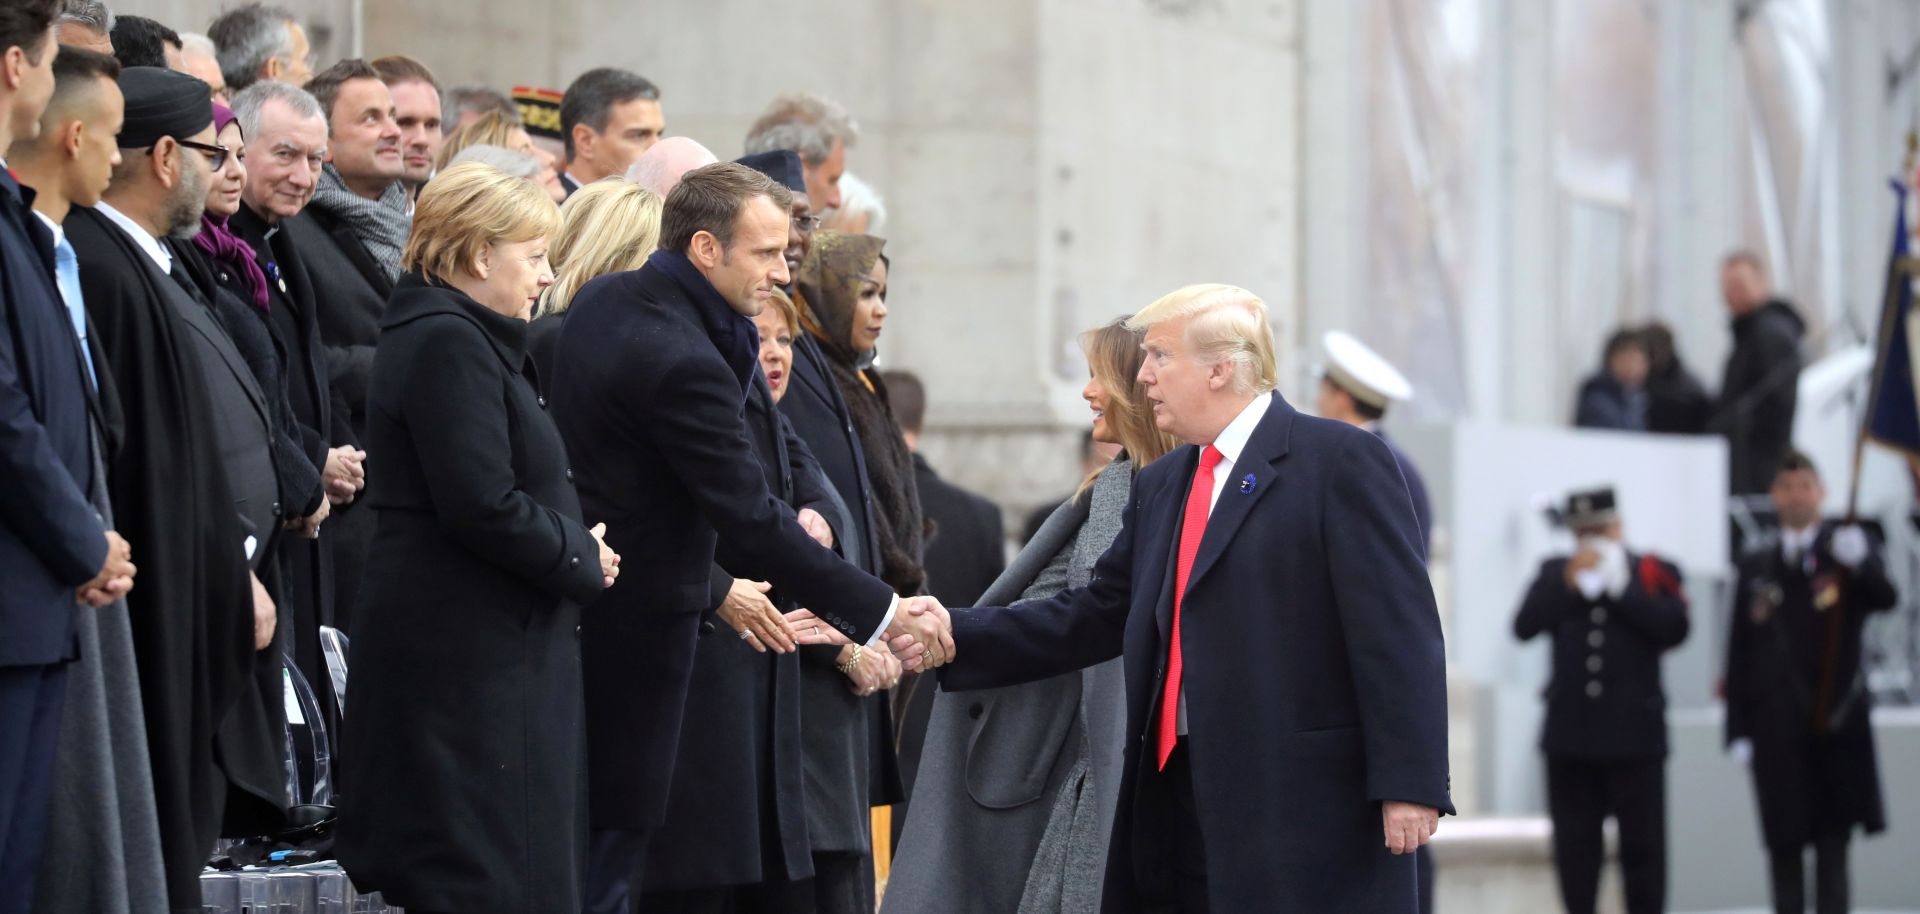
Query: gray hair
[804,123]
[247,37]
[194,42]
[517,164]
[249,105]
[91,14]
[477,98]
[858,198]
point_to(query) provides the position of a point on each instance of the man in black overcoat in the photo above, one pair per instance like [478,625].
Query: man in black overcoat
[1797,699]
[1611,614]
[653,372]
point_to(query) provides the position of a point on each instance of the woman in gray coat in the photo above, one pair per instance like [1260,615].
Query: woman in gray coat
[1018,786]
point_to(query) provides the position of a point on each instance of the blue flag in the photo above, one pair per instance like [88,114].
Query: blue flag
[1893,412]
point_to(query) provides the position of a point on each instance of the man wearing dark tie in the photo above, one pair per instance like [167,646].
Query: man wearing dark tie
[55,551]
[1285,671]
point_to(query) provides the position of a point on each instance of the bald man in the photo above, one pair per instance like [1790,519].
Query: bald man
[660,167]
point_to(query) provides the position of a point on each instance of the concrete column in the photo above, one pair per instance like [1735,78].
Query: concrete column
[1334,158]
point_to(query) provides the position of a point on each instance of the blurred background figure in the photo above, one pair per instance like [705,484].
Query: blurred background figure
[1616,397]
[1677,403]
[1357,387]
[1610,614]
[1797,701]
[1758,392]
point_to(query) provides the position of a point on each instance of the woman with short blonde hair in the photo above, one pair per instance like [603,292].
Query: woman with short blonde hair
[466,668]
[605,227]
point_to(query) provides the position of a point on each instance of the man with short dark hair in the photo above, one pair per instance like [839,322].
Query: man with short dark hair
[416,109]
[350,237]
[142,42]
[819,130]
[198,618]
[465,103]
[1797,697]
[56,550]
[658,432]
[103,789]
[608,117]
[1761,386]
[1610,614]
[259,42]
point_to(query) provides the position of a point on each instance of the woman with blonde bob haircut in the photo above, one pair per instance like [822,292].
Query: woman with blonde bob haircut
[467,685]
[605,227]
[984,833]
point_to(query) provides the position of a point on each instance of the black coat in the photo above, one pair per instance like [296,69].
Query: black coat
[192,611]
[1416,495]
[1810,782]
[1677,403]
[350,291]
[737,813]
[1605,701]
[1325,670]
[650,395]
[51,539]
[306,565]
[463,786]
[1758,395]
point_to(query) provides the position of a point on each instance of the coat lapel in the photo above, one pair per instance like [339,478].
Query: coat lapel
[1265,449]
[196,315]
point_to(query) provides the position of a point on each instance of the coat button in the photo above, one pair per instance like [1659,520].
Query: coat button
[543,402]
[1593,663]
[573,562]
[576,631]
[1599,615]
[1595,639]
[569,474]
[276,509]
[1594,689]
[976,710]
[706,628]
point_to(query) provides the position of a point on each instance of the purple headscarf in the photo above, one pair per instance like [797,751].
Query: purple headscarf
[223,245]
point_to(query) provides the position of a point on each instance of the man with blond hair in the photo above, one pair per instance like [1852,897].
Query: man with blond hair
[1285,674]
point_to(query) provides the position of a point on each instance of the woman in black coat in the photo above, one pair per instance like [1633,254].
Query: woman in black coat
[464,735]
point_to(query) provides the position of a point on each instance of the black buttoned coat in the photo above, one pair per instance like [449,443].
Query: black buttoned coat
[464,742]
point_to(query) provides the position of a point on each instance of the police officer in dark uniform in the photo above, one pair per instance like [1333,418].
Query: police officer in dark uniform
[1797,701]
[1611,614]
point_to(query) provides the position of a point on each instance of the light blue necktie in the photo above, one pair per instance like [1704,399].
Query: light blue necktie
[67,268]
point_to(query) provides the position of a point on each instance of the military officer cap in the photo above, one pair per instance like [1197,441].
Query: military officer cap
[1361,372]
[539,111]
[1590,508]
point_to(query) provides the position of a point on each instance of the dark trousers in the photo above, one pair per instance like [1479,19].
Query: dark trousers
[30,701]
[1831,891]
[1168,830]
[1423,872]
[842,883]
[1580,797]
[763,898]
[614,859]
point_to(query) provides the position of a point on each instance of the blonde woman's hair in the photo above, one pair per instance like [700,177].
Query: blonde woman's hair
[1113,357]
[1229,325]
[605,227]
[468,207]
[489,129]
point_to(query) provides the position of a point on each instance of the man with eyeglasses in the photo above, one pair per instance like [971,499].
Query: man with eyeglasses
[190,476]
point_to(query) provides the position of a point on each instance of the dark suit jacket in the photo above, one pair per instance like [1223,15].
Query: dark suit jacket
[649,394]
[1605,702]
[51,538]
[351,293]
[1323,672]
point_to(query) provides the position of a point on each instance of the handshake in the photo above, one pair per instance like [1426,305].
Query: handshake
[920,635]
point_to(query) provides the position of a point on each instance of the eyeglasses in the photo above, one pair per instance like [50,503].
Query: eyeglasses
[809,224]
[217,155]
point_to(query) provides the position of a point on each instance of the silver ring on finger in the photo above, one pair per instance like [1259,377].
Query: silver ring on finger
[745,635]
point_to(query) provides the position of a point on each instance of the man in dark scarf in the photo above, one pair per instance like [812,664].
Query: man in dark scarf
[831,281]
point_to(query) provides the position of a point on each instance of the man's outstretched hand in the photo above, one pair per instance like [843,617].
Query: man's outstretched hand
[921,634]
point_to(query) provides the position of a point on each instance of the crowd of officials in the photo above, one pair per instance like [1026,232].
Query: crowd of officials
[575,431]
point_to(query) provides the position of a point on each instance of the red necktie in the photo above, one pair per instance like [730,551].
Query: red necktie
[1193,525]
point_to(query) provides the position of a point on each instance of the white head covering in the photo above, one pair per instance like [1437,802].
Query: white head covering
[1360,371]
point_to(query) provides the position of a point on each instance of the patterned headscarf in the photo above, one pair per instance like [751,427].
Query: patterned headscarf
[829,283]
[224,246]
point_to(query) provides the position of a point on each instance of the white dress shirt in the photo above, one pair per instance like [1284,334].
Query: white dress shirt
[1794,544]
[1231,443]
[140,236]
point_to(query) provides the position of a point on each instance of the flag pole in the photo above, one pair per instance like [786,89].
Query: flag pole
[1866,415]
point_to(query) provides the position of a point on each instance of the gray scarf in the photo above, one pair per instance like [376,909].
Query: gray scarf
[382,225]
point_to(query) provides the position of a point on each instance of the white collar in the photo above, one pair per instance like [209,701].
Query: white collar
[1233,439]
[59,231]
[1797,541]
[576,179]
[140,236]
